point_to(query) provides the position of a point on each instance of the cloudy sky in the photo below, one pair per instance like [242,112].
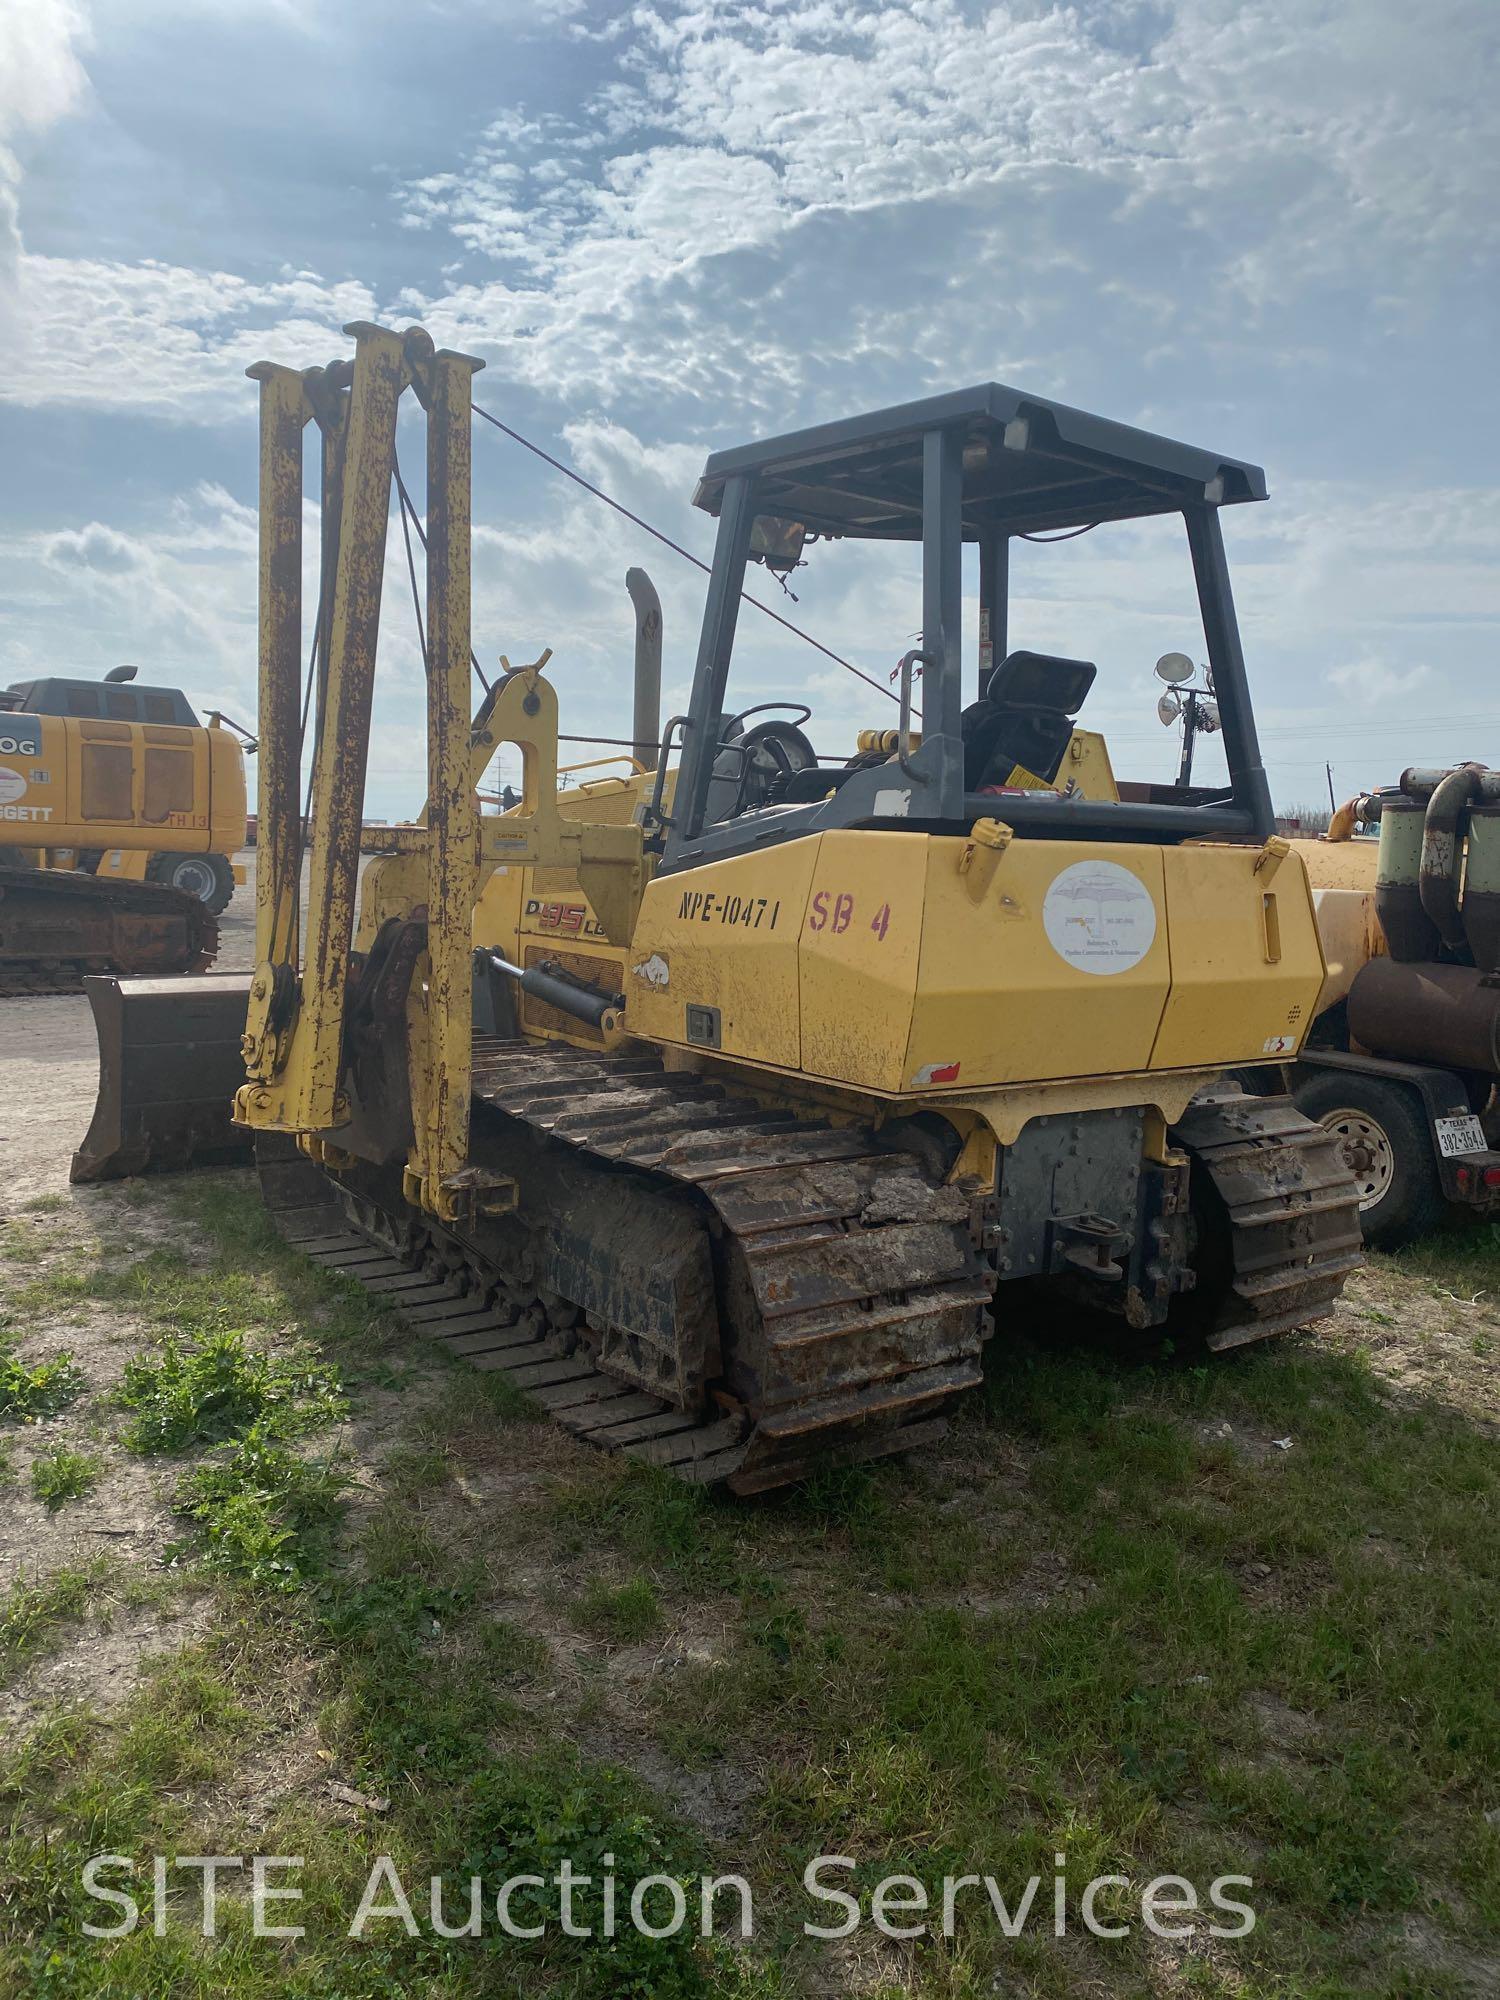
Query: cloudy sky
[1265,226]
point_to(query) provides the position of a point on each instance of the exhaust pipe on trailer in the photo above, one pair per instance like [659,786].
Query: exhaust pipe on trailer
[645,728]
[1442,843]
[1410,934]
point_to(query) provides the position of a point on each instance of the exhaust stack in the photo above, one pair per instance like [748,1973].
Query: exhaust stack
[646,726]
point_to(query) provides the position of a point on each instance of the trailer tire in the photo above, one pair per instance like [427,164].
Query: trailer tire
[1388,1144]
[208,877]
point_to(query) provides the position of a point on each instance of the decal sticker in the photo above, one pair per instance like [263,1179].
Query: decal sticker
[654,970]
[935,1073]
[1099,917]
[1279,1045]
[893,805]
[572,919]
[12,786]
[18,746]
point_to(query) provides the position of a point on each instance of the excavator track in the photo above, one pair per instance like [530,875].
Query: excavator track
[1285,1231]
[841,1271]
[57,927]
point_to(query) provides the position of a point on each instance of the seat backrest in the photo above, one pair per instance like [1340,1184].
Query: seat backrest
[1025,718]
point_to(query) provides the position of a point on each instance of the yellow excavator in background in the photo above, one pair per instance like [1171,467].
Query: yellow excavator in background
[119,814]
[730,1107]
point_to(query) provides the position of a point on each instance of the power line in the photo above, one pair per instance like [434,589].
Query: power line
[697,561]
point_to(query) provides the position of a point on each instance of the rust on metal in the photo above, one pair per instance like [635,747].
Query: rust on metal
[1428,1013]
[283,415]
[443,382]
[1284,1209]
[58,927]
[841,1307]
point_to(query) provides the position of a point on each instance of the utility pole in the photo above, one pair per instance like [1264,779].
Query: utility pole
[1189,731]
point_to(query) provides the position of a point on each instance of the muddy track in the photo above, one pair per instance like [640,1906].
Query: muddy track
[832,1288]
[846,1304]
[58,926]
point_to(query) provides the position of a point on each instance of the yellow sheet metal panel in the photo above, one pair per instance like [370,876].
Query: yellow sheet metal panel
[94,784]
[861,946]
[722,940]
[1060,969]
[1087,764]
[1339,864]
[1342,875]
[1246,967]
[226,793]
[497,913]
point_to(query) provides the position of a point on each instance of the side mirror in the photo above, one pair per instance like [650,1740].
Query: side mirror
[1174,667]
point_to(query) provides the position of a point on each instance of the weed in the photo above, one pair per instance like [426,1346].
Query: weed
[265,1513]
[525,1821]
[29,1394]
[64,1475]
[204,1391]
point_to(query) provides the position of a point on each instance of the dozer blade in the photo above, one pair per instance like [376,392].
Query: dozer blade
[169,1065]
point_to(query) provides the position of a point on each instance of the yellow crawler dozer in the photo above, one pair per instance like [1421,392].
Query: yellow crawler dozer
[732,1105]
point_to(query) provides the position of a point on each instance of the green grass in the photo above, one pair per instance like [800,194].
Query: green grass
[625,1615]
[23,1243]
[1093,1624]
[63,1475]
[264,1513]
[45,1204]
[30,1612]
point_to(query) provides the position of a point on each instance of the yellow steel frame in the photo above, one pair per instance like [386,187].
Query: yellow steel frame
[294,1038]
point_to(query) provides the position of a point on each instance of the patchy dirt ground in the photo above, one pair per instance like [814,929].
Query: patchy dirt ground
[961,1657]
[49,1066]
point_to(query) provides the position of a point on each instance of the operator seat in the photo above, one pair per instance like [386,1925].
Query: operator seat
[1024,719]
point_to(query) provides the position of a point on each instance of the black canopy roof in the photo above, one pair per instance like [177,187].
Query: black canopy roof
[1028,464]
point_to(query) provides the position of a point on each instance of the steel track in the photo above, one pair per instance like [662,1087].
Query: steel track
[843,1271]
[58,926]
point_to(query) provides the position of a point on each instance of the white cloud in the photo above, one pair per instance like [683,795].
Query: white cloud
[675,233]
[94,547]
[41,77]
[1378,681]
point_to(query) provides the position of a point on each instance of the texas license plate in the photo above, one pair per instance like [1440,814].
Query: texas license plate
[1457,1136]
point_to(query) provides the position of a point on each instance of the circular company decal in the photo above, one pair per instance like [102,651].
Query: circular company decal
[12,786]
[1099,917]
